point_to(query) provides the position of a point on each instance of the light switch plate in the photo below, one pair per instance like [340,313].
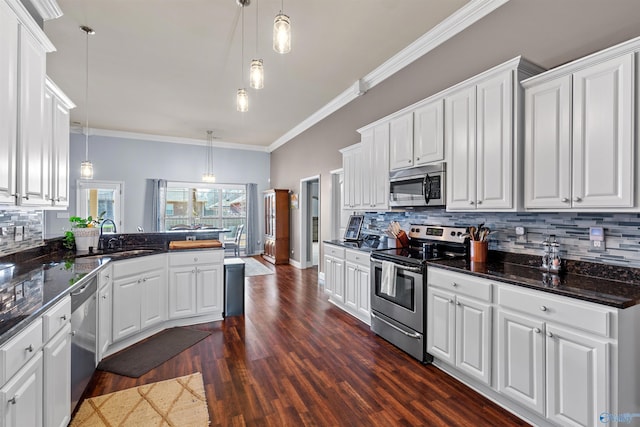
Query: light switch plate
[596,238]
[521,235]
[19,233]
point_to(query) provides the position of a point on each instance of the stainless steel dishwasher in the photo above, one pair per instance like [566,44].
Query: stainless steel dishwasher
[83,337]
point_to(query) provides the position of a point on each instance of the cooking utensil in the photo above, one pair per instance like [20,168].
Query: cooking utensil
[472,233]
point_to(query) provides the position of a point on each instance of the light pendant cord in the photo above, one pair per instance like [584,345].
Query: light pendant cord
[86,100]
[242,50]
[256,28]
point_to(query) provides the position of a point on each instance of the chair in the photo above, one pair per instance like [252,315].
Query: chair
[235,243]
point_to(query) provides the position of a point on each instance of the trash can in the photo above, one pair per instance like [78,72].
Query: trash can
[233,287]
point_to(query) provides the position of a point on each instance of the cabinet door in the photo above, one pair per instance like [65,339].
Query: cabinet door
[577,378]
[441,317]
[351,162]
[460,138]
[329,273]
[363,294]
[34,170]
[364,163]
[401,142]
[428,133]
[104,319]
[47,140]
[350,286]
[603,129]
[209,289]
[521,359]
[21,397]
[60,154]
[182,292]
[338,276]
[378,175]
[8,103]
[153,308]
[548,144]
[494,142]
[473,338]
[57,379]
[126,306]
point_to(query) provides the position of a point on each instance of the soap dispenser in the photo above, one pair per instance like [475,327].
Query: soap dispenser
[555,263]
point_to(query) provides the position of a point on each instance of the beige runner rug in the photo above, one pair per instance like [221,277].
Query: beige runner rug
[176,402]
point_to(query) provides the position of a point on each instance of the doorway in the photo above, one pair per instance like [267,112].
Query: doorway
[309,221]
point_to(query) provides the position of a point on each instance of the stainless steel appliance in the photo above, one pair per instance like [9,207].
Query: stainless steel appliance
[423,186]
[401,318]
[83,337]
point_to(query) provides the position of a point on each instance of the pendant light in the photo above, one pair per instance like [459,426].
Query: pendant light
[209,176]
[256,72]
[242,98]
[282,32]
[86,167]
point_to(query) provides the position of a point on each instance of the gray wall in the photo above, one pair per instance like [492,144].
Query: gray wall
[136,162]
[547,32]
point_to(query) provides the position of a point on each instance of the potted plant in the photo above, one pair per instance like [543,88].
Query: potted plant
[84,232]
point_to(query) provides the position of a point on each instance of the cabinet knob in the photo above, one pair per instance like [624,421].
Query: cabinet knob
[193,271]
[408,161]
[63,317]
[454,284]
[144,279]
[417,159]
[536,330]
[195,259]
[13,400]
[549,334]
[107,277]
[543,308]
[577,199]
[450,301]
[471,202]
[104,297]
[564,200]
[30,348]
[457,302]
[479,202]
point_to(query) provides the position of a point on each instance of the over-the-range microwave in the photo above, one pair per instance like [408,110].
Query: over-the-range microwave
[422,186]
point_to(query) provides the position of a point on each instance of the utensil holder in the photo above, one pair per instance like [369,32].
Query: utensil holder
[479,251]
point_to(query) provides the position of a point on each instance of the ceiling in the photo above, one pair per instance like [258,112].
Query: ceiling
[171,68]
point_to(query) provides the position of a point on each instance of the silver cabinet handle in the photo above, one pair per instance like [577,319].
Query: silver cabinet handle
[543,308]
[73,333]
[104,297]
[549,334]
[193,271]
[13,400]
[410,335]
[139,280]
[144,279]
[195,259]
[471,202]
[536,330]
[63,317]
[577,199]
[457,302]
[30,348]
[408,161]
[417,159]
[564,200]
[26,197]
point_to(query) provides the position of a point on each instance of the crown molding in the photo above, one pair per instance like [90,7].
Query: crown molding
[30,24]
[452,25]
[47,9]
[164,138]
[59,93]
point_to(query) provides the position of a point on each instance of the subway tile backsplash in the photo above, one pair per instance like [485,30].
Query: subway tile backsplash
[33,230]
[622,231]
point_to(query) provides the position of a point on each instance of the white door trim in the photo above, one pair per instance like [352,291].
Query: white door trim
[305,262]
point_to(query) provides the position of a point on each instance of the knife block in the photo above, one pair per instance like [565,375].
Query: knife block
[402,240]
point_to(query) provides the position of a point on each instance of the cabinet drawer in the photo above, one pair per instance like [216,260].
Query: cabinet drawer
[20,349]
[461,284]
[334,251]
[358,257]
[55,318]
[557,309]
[196,257]
[139,265]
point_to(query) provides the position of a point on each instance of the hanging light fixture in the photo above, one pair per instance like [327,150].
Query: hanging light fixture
[242,98]
[209,176]
[282,32]
[256,72]
[86,167]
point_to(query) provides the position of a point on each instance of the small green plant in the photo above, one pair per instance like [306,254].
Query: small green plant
[69,240]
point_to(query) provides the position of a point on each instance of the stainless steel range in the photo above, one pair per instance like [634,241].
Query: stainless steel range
[398,285]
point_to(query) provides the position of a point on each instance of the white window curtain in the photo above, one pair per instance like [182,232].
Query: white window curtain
[159,201]
[253,226]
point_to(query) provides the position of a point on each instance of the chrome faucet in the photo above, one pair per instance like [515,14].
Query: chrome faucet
[100,241]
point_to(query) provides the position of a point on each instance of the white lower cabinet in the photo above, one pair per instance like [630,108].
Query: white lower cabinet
[459,323]
[195,283]
[347,278]
[57,379]
[21,397]
[105,301]
[139,295]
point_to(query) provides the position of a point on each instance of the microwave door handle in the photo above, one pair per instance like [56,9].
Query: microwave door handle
[426,189]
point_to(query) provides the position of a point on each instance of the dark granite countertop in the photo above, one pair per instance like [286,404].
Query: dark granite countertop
[584,281]
[366,245]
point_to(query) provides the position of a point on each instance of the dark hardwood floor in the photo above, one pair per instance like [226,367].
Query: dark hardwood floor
[294,359]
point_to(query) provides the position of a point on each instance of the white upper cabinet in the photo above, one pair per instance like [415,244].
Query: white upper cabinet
[375,167]
[428,133]
[8,103]
[580,134]
[352,165]
[482,138]
[401,142]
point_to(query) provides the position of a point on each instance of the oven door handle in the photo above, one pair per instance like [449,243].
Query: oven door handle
[426,189]
[403,267]
[415,336]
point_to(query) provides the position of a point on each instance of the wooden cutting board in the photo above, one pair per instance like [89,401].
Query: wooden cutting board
[194,244]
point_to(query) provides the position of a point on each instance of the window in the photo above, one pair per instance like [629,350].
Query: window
[191,205]
[95,197]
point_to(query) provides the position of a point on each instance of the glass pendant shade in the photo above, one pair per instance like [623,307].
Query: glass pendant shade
[256,74]
[208,177]
[282,34]
[86,170]
[242,101]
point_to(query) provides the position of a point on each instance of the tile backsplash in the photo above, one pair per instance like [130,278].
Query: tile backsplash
[33,225]
[622,231]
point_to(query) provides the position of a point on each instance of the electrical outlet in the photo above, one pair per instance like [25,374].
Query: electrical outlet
[191,238]
[521,235]
[19,233]
[596,238]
